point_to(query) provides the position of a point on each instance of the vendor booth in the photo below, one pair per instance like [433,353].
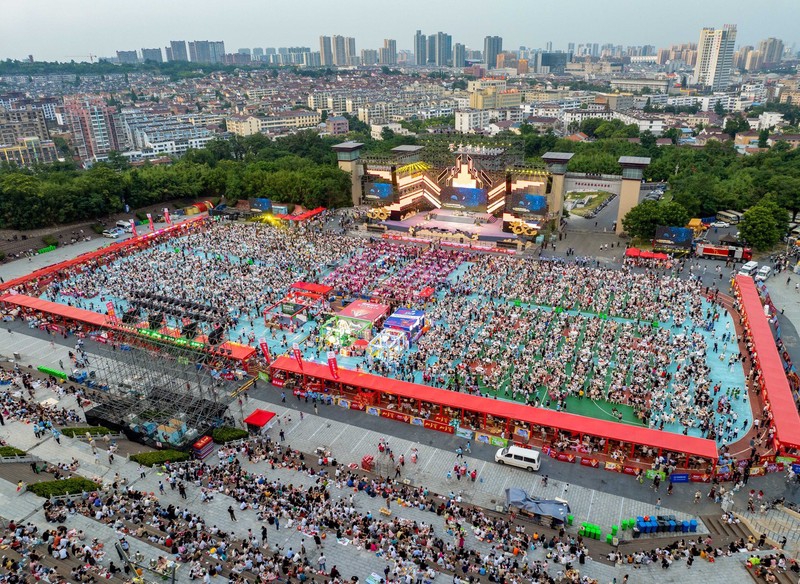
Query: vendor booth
[389,345]
[342,333]
[411,322]
[259,421]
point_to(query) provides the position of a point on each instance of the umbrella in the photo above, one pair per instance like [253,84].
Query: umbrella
[361,343]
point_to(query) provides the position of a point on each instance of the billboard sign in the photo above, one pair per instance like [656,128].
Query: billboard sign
[465,199]
[673,239]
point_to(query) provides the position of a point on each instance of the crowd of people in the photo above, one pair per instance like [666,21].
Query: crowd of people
[541,332]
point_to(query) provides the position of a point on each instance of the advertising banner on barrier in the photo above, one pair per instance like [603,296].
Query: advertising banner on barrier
[593,462]
[679,477]
[465,433]
[697,477]
[392,415]
[446,428]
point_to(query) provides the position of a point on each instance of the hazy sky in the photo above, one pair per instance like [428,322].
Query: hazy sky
[64,29]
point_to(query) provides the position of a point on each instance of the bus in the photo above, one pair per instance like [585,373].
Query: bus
[732,217]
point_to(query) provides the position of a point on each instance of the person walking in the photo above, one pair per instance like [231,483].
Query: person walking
[231,513]
[459,453]
[321,561]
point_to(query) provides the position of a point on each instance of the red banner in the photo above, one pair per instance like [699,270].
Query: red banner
[446,428]
[167,218]
[395,416]
[298,355]
[629,470]
[593,462]
[133,228]
[264,350]
[699,477]
[333,365]
[565,457]
[150,221]
[111,312]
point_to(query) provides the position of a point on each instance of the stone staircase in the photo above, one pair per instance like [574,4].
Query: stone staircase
[723,532]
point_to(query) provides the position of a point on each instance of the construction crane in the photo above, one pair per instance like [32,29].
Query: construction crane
[89,56]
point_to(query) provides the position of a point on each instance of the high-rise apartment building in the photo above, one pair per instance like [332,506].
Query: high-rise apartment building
[420,48]
[431,57]
[771,50]
[325,51]
[369,57]
[178,49]
[258,53]
[387,55]
[127,57]
[152,55]
[16,124]
[443,49]
[339,50]
[350,55]
[459,55]
[715,57]
[206,51]
[94,127]
[492,46]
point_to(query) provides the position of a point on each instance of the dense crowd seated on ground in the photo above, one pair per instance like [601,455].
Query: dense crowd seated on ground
[539,332]
[18,401]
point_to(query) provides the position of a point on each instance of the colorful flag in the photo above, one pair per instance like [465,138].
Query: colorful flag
[167,218]
[150,221]
[298,355]
[111,312]
[133,228]
[333,365]
[264,350]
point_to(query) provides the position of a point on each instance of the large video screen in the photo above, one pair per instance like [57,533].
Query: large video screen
[465,199]
[377,191]
[525,203]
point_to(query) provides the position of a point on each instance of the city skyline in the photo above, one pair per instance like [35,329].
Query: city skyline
[94,28]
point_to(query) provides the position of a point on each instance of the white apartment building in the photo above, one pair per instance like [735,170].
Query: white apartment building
[469,120]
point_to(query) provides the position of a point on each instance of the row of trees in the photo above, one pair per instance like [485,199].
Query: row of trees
[299,169]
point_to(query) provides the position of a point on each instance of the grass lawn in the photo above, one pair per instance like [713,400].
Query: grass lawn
[597,199]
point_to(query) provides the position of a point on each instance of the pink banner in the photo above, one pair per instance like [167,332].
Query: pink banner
[298,355]
[111,312]
[150,221]
[264,350]
[133,228]
[167,218]
[333,365]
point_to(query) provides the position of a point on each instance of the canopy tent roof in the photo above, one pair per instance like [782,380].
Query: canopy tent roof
[58,310]
[506,409]
[237,351]
[635,252]
[520,499]
[783,407]
[259,418]
[311,287]
[364,310]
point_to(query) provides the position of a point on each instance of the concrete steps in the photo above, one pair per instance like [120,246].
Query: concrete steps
[723,531]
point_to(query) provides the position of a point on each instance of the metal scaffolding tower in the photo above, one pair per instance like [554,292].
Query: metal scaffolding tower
[144,386]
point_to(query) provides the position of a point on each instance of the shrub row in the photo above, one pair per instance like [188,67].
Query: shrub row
[225,434]
[160,457]
[11,451]
[63,487]
[80,431]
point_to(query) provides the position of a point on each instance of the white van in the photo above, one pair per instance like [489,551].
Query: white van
[125,225]
[763,273]
[749,269]
[525,458]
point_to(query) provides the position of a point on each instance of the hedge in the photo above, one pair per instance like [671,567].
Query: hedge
[79,431]
[64,487]
[159,457]
[225,434]
[11,451]
[49,240]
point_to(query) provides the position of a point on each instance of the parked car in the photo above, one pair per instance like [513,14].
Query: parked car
[111,233]
[720,224]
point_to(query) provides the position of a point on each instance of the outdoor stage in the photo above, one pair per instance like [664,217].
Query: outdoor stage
[452,224]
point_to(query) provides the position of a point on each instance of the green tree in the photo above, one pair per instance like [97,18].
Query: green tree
[759,227]
[642,220]
[763,136]
[718,109]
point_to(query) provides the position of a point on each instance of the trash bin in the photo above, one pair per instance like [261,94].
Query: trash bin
[17,356]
